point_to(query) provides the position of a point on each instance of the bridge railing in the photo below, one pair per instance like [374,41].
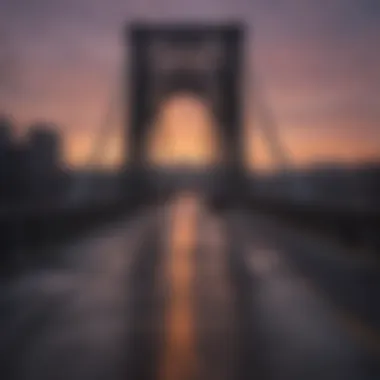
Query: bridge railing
[32,227]
[353,226]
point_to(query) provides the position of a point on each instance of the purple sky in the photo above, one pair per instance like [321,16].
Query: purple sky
[319,62]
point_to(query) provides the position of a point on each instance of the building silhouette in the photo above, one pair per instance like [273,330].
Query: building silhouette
[6,147]
[31,169]
[43,161]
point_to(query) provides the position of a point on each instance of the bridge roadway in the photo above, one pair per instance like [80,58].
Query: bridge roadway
[185,292]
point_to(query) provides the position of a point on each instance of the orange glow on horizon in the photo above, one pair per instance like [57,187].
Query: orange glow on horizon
[183,133]
[170,146]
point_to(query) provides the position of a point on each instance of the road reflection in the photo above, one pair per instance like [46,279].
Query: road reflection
[179,352]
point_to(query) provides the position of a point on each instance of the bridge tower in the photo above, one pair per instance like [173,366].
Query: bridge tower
[206,60]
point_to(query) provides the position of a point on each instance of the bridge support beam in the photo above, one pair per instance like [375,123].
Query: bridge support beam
[224,92]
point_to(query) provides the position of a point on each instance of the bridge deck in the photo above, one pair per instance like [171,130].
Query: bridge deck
[181,292]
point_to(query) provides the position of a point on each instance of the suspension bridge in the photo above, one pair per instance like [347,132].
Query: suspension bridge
[218,281]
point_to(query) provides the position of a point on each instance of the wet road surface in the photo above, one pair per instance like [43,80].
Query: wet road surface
[182,292]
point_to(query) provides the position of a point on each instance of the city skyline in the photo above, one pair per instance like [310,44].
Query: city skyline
[318,63]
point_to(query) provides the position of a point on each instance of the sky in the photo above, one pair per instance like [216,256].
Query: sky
[317,60]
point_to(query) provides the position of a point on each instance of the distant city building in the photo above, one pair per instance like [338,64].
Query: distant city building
[6,132]
[31,171]
[18,182]
[43,145]
[6,144]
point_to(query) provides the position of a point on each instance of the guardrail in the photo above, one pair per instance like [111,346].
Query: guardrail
[353,226]
[32,227]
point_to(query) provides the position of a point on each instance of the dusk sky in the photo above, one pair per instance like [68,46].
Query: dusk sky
[318,60]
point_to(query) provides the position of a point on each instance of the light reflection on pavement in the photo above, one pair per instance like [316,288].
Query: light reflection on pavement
[72,320]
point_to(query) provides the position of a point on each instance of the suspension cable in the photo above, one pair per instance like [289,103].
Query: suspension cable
[267,123]
[81,186]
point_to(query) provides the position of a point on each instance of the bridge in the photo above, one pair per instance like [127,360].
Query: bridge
[204,276]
